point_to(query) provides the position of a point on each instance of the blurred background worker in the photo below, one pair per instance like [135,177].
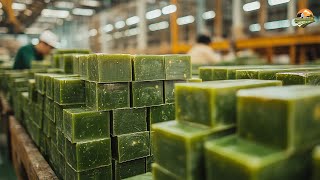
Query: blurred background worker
[28,53]
[202,53]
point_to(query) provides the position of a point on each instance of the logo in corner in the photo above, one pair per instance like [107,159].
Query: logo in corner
[304,18]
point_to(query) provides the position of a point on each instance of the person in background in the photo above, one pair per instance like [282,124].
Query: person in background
[47,41]
[202,53]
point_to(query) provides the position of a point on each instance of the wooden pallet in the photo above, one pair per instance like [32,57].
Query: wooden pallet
[27,160]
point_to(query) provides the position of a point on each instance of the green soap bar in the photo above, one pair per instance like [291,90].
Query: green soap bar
[128,169]
[146,176]
[148,67]
[50,83]
[61,142]
[53,157]
[179,147]
[106,68]
[132,146]
[152,145]
[45,126]
[214,102]
[53,132]
[40,82]
[49,108]
[35,133]
[161,113]
[147,93]
[169,91]
[159,173]
[61,165]
[54,70]
[295,78]
[316,163]
[102,173]
[56,60]
[58,113]
[66,63]
[149,161]
[125,121]
[40,100]
[280,116]
[42,144]
[104,97]
[88,155]
[271,74]
[69,91]
[75,65]
[194,80]
[83,66]
[83,124]
[32,91]
[232,158]
[177,67]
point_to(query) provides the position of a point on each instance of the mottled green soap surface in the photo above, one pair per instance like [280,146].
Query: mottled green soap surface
[127,147]
[58,113]
[40,82]
[212,103]
[149,93]
[146,176]
[88,155]
[296,78]
[69,91]
[102,173]
[162,113]
[280,116]
[83,66]
[49,109]
[130,120]
[83,124]
[169,90]
[106,68]
[61,142]
[177,67]
[32,91]
[148,67]
[50,83]
[128,169]
[234,158]
[160,173]
[66,63]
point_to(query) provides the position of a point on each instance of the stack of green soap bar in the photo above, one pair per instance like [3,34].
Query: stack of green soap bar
[83,66]
[104,172]
[316,163]
[149,93]
[76,64]
[148,67]
[40,82]
[179,147]
[177,67]
[49,79]
[128,169]
[82,124]
[212,103]
[295,78]
[69,91]
[169,90]
[110,68]
[58,113]
[280,116]
[232,158]
[161,113]
[66,63]
[32,91]
[146,176]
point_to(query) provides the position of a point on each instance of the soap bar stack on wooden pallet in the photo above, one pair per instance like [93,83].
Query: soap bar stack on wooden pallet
[204,111]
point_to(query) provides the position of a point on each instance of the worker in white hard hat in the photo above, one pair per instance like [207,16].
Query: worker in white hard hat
[47,41]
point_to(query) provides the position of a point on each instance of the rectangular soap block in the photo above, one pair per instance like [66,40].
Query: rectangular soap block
[280,116]
[69,91]
[212,103]
[127,147]
[75,64]
[50,83]
[148,67]
[162,113]
[104,97]
[130,120]
[179,147]
[61,142]
[61,166]
[53,132]
[316,163]
[149,93]
[234,158]
[160,173]
[83,66]
[177,67]
[146,176]
[102,173]
[169,90]
[46,126]
[40,82]
[66,63]
[58,113]
[105,68]
[88,155]
[296,78]
[32,91]
[128,169]
[149,161]
[40,101]
[84,124]
[56,60]
[49,109]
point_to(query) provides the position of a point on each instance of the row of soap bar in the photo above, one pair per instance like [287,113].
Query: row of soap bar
[106,68]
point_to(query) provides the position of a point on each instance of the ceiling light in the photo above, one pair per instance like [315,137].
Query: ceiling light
[208,15]
[153,14]
[108,28]
[254,27]
[93,32]
[277,2]
[277,24]
[169,9]
[133,20]
[83,12]
[131,32]
[35,41]
[55,13]
[120,24]
[185,20]
[251,6]
[159,26]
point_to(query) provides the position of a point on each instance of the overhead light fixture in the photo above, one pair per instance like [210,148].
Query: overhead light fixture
[131,32]
[93,32]
[19,6]
[55,13]
[255,5]
[64,4]
[108,28]
[153,14]
[277,2]
[90,3]
[169,9]
[254,27]
[159,26]
[208,15]
[120,24]
[133,20]
[277,24]
[83,12]
[185,20]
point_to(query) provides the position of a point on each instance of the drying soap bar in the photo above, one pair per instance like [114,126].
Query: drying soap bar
[45,126]
[75,64]
[132,146]
[149,161]
[177,67]
[147,93]
[58,113]
[69,91]
[125,121]
[178,147]
[66,64]
[232,158]
[49,79]
[61,142]
[169,91]
[32,91]
[83,124]
[38,116]
[270,74]
[160,173]
[129,169]
[83,66]
[88,155]
[40,101]
[40,82]
[146,176]
[316,163]
[106,68]
[280,116]
[162,113]
[295,78]
[49,109]
[101,173]
[148,67]
[52,132]
[214,102]
[61,166]
[56,60]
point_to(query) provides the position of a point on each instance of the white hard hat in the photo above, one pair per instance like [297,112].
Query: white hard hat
[50,38]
